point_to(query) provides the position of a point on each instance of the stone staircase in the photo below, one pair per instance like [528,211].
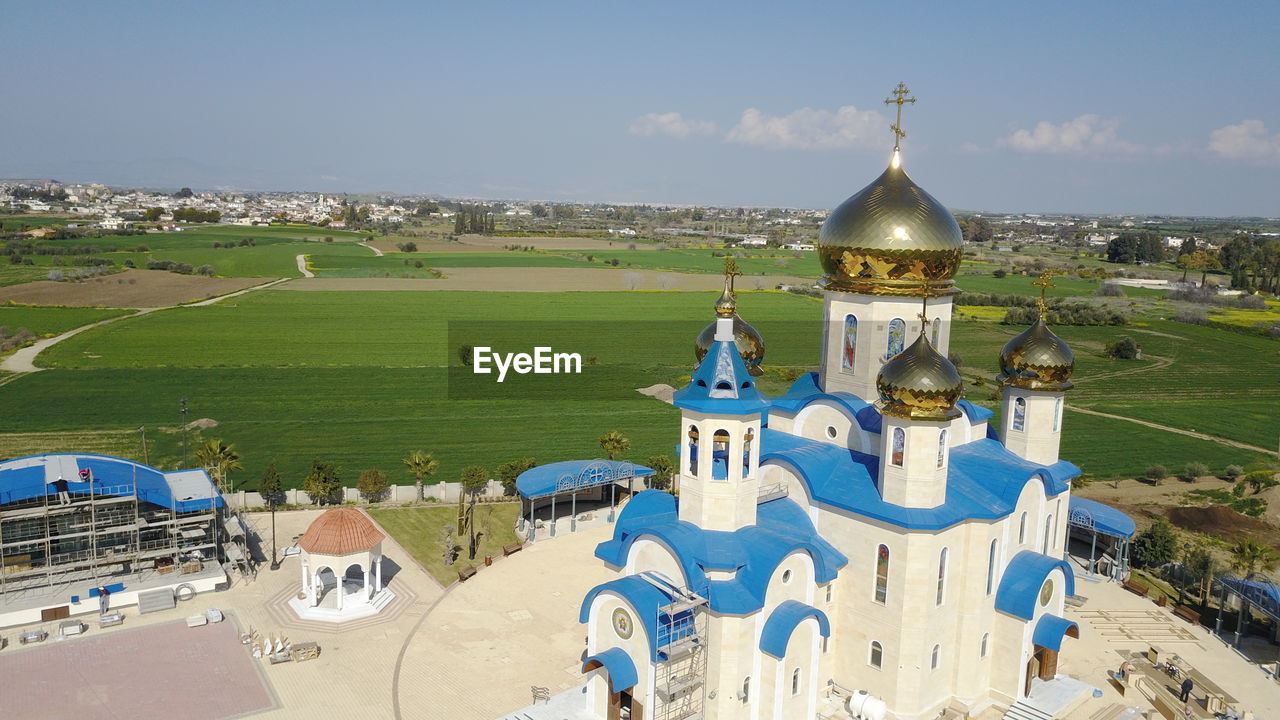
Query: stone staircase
[1023,711]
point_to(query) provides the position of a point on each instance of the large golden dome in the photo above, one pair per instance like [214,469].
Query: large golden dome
[750,344]
[919,383]
[1037,360]
[892,238]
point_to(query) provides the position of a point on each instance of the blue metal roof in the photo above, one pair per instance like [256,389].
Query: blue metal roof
[616,662]
[1262,594]
[754,552]
[28,478]
[574,475]
[1024,576]
[1050,629]
[976,413]
[783,621]
[1104,519]
[643,597]
[805,390]
[721,385]
[984,480]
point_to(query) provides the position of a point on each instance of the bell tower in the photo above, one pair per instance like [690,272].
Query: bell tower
[1035,374]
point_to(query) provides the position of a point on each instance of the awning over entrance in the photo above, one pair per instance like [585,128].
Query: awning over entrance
[1024,579]
[1103,519]
[783,621]
[616,662]
[1050,629]
[572,476]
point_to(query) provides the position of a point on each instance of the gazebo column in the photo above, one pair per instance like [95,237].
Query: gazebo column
[1093,551]
[377,574]
[367,589]
[316,588]
[553,516]
[573,512]
[306,586]
[340,590]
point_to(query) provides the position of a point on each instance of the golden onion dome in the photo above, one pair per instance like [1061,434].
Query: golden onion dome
[920,384]
[1037,360]
[750,344]
[891,238]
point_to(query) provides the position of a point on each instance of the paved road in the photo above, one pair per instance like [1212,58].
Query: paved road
[302,267]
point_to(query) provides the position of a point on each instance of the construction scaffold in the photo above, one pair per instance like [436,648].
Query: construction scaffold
[681,670]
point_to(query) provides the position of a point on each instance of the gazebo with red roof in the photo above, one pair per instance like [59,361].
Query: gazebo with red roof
[341,567]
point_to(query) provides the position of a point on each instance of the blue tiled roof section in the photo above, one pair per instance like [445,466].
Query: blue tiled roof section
[1093,515]
[783,621]
[25,478]
[976,413]
[805,390]
[984,480]
[616,662]
[543,480]
[722,385]
[1020,586]
[1050,629]
[646,599]
[754,552]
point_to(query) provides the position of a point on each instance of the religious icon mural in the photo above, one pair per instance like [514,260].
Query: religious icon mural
[899,445]
[937,330]
[1019,414]
[897,334]
[850,343]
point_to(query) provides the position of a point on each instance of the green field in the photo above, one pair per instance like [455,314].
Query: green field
[362,379]
[419,530]
[50,321]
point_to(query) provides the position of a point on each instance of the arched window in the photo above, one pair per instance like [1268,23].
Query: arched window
[982,651]
[850,349]
[899,446]
[991,566]
[937,330]
[897,334]
[1022,529]
[1057,414]
[795,681]
[746,688]
[746,450]
[877,655]
[1048,534]
[942,576]
[1019,414]
[693,449]
[942,448]
[882,574]
[935,658]
[720,455]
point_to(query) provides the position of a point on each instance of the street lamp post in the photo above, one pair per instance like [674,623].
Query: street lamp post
[183,410]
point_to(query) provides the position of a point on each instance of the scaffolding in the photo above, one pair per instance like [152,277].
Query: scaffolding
[98,537]
[681,668]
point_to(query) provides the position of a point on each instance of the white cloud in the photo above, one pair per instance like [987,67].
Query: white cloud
[809,129]
[1248,140]
[671,124]
[1085,134]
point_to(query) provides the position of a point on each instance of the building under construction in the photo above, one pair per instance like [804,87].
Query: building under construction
[71,524]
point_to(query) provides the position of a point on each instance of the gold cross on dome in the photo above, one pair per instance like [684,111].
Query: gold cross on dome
[899,98]
[1044,282]
[924,313]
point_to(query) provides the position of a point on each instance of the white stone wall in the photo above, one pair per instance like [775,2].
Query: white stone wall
[444,492]
[720,504]
[874,312]
[919,482]
[1041,433]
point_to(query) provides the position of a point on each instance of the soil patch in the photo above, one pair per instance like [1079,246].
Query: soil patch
[1221,521]
[129,289]
[662,391]
[542,279]
[201,424]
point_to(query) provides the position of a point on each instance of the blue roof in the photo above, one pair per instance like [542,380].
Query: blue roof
[1263,595]
[783,621]
[1024,576]
[805,390]
[1093,515]
[28,478]
[984,480]
[616,662]
[645,599]
[976,413]
[1050,629]
[754,552]
[573,475]
[721,385]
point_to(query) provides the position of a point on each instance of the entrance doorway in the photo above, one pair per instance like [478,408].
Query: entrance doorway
[1043,664]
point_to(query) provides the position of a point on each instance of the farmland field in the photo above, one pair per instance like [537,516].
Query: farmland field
[363,378]
[48,321]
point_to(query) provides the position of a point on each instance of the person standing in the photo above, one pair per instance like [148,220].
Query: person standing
[103,601]
[1187,685]
[64,494]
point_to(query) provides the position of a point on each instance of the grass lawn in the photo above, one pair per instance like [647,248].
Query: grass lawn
[364,378]
[420,530]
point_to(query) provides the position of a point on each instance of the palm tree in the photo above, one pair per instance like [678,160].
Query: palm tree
[614,444]
[1249,556]
[220,459]
[421,464]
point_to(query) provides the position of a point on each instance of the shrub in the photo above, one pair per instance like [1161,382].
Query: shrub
[1000,272]
[1126,348]
[1156,473]
[1233,472]
[1251,302]
[372,484]
[1194,470]
[1155,546]
[1191,316]
[1109,290]
[206,270]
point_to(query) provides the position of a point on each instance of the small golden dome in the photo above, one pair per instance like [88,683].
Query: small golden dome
[750,344]
[1037,360]
[920,384]
[891,238]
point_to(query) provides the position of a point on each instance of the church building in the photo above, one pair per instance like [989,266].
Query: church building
[867,531]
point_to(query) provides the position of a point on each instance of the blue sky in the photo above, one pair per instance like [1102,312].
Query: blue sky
[1145,107]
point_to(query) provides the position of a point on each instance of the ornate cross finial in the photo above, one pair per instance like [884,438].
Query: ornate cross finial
[1044,282]
[924,313]
[899,98]
[731,270]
